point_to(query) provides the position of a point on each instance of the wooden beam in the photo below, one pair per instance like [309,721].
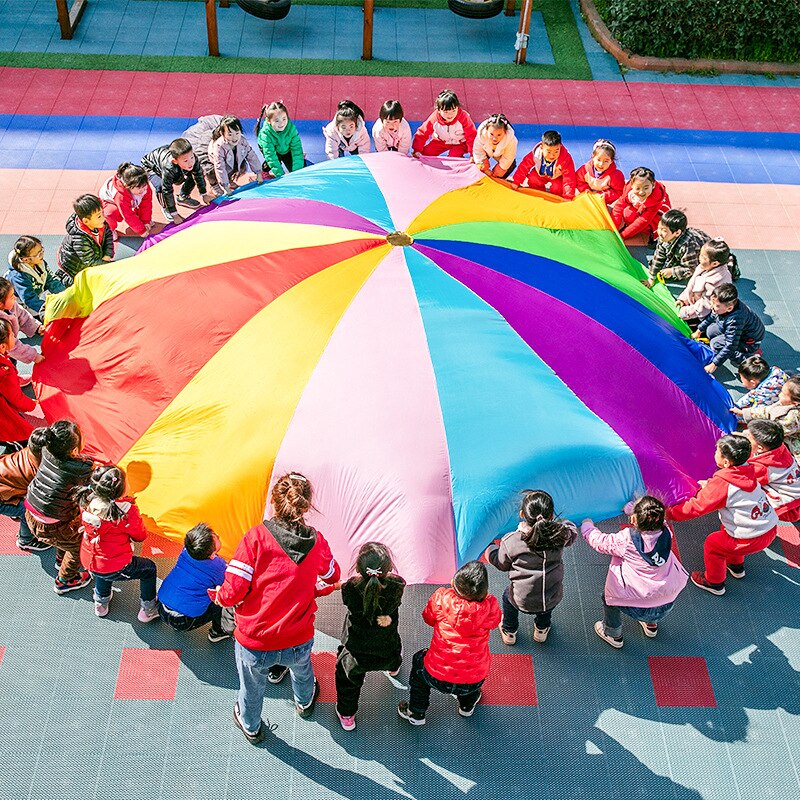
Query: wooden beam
[68,18]
[523,31]
[369,12]
[510,6]
[211,27]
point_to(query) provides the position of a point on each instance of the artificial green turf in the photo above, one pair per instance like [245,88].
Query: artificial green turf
[562,31]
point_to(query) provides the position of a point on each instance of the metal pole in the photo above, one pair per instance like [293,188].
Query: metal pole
[523,32]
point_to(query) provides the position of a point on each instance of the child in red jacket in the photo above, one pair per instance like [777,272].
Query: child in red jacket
[643,201]
[128,198]
[548,167]
[448,130]
[458,660]
[14,429]
[749,522]
[111,522]
[600,174]
[776,468]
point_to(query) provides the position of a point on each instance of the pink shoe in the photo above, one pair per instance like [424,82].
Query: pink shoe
[348,723]
[148,614]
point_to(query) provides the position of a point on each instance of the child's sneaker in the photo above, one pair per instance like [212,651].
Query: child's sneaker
[407,714]
[390,674]
[33,545]
[62,587]
[509,637]
[699,580]
[348,723]
[540,634]
[276,674]
[59,561]
[307,710]
[736,570]
[650,629]
[101,609]
[218,636]
[188,202]
[600,630]
[468,712]
[148,613]
[253,738]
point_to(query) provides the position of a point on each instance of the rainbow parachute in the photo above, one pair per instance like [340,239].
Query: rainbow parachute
[419,340]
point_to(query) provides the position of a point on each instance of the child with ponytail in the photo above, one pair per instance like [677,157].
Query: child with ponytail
[127,198]
[532,557]
[279,141]
[370,640]
[111,523]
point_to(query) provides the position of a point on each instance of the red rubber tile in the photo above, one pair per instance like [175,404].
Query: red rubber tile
[160,547]
[2,651]
[8,538]
[324,669]
[511,681]
[789,537]
[681,681]
[147,674]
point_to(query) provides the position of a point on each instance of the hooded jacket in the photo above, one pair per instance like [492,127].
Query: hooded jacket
[459,651]
[744,511]
[13,402]
[230,161]
[632,219]
[159,162]
[16,472]
[120,205]
[613,178]
[273,143]
[788,417]
[52,490]
[697,294]
[271,578]
[106,544]
[631,581]
[20,319]
[778,472]
[82,248]
[357,144]
[537,577]
[504,152]
[199,136]
[460,130]
[30,281]
[185,589]
[767,392]
[742,331]
[530,170]
[385,140]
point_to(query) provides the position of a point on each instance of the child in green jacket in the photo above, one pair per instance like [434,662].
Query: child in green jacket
[279,140]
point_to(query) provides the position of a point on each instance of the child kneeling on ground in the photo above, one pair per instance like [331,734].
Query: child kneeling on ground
[458,660]
[185,603]
[644,577]
[111,523]
[776,468]
[748,521]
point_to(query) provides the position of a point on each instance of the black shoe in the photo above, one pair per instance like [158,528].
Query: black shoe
[736,570]
[188,202]
[253,738]
[276,674]
[218,636]
[33,545]
[407,714]
[306,711]
[469,711]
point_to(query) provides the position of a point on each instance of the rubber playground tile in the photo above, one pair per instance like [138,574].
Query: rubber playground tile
[9,528]
[511,681]
[789,538]
[681,681]
[147,674]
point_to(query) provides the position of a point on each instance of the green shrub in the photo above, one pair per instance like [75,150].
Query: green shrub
[746,30]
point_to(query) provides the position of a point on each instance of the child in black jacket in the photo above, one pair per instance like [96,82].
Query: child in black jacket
[89,241]
[370,640]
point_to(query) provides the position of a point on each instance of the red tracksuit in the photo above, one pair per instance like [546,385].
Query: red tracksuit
[632,220]
[613,178]
[435,136]
[778,472]
[563,182]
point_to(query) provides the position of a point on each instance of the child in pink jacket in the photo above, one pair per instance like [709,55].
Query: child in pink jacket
[694,302]
[391,130]
[644,577]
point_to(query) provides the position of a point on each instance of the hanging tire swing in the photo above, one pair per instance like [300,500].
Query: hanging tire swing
[476,9]
[266,9]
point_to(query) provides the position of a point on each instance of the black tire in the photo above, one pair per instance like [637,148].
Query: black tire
[266,9]
[476,10]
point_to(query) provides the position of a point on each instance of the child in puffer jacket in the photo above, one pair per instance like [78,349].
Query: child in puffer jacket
[111,523]
[346,134]
[532,556]
[644,577]
[458,660]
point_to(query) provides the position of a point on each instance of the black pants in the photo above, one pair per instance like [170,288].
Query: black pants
[351,670]
[421,683]
[187,184]
[541,619]
[221,619]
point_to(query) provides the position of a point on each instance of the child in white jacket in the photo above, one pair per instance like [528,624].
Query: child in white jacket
[391,131]
[694,302]
[346,134]
[495,140]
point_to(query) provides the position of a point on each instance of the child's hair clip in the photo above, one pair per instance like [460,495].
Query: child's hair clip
[298,477]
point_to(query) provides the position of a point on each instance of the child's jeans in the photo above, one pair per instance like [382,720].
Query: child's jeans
[421,683]
[350,673]
[510,624]
[253,666]
[717,341]
[721,549]
[140,569]
[66,538]
[221,619]
[612,616]
[436,147]
[17,511]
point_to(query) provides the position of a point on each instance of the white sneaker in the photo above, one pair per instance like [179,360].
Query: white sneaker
[649,631]
[540,634]
[101,609]
[600,630]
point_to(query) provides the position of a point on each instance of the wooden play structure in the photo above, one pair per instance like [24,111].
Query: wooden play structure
[69,16]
